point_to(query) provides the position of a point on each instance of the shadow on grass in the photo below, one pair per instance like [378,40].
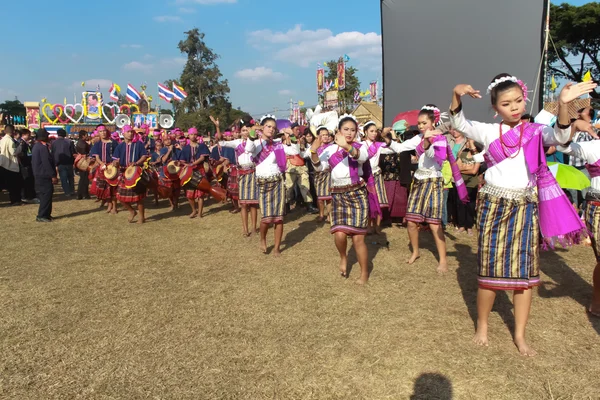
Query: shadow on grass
[568,283]
[466,275]
[375,243]
[432,386]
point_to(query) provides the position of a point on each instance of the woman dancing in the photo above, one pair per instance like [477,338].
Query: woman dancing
[347,159]
[511,212]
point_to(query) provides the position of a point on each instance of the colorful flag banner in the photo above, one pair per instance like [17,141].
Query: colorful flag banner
[165,93]
[373,90]
[178,92]
[132,95]
[320,80]
[341,73]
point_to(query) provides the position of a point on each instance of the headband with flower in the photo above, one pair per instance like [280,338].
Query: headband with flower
[348,116]
[436,113]
[509,79]
[268,116]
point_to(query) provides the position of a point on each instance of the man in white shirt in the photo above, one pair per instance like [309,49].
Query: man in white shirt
[9,166]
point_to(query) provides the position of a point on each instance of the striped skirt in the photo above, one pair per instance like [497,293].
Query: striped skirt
[425,201]
[350,210]
[323,185]
[130,195]
[104,191]
[232,183]
[508,243]
[380,188]
[592,222]
[271,199]
[248,188]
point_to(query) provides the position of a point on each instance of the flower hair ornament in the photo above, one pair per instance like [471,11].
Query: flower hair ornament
[268,116]
[436,113]
[348,116]
[509,79]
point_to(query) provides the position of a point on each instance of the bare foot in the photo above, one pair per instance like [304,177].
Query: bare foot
[114,212]
[200,215]
[109,209]
[343,268]
[362,281]
[414,257]
[442,268]
[132,216]
[141,220]
[276,253]
[263,247]
[481,337]
[171,209]
[524,348]
[193,215]
[246,234]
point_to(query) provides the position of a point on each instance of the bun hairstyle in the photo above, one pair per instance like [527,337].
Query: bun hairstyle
[502,83]
[432,112]
[243,124]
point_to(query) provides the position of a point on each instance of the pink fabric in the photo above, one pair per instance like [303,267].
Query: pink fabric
[441,153]
[267,148]
[594,169]
[559,222]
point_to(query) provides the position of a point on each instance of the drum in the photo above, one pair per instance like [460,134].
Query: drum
[81,162]
[190,179]
[136,178]
[111,175]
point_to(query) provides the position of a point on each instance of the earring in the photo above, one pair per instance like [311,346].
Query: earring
[496,115]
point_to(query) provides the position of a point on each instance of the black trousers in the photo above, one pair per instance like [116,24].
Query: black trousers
[13,182]
[29,187]
[466,212]
[45,190]
[83,187]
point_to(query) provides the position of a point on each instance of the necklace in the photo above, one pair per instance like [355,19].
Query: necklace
[506,146]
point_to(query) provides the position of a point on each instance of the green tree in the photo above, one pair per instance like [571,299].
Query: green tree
[203,82]
[575,31]
[12,107]
[346,96]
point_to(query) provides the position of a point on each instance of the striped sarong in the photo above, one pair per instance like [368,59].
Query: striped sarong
[130,195]
[425,201]
[247,187]
[271,199]
[233,190]
[592,223]
[350,210]
[508,243]
[104,191]
[380,189]
[323,185]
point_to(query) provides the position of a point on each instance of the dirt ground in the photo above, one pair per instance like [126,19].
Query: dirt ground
[95,308]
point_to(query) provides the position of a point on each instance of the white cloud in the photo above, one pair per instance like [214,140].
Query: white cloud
[308,47]
[92,84]
[148,57]
[138,66]
[258,74]
[131,46]
[285,92]
[294,35]
[206,2]
[175,61]
[186,10]
[167,18]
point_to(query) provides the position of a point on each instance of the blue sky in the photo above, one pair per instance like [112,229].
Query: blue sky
[269,49]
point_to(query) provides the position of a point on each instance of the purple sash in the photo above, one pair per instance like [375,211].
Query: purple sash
[374,148]
[240,149]
[339,156]
[593,169]
[266,150]
[441,153]
[322,148]
[558,220]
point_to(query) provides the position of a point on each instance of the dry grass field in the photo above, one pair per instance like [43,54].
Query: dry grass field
[92,307]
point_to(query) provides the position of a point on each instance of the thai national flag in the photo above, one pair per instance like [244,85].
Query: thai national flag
[133,96]
[165,93]
[113,94]
[178,92]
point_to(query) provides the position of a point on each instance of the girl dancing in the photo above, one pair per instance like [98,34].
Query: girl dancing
[511,212]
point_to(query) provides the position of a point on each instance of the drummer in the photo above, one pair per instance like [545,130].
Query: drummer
[129,153]
[103,150]
[195,154]
[170,151]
